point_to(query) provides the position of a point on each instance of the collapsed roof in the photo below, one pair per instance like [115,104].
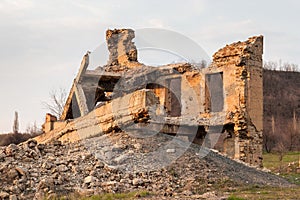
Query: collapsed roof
[219,106]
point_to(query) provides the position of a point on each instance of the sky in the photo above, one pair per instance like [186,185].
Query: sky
[42,42]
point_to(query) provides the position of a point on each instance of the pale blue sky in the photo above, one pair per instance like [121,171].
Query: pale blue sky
[42,42]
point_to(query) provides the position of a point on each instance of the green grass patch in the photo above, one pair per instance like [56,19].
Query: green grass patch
[110,196]
[232,197]
[292,177]
[271,160]
[288,164]
[261,193]
[106,196]
[288,167]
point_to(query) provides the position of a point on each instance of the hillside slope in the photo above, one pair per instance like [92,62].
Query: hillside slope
[281,100]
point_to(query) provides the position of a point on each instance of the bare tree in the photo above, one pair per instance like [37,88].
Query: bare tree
[57,102]
[293,133]
[270,65]
[286,66]
[200,64]
[16,123]
[269,137]
[33,129]
[281,150]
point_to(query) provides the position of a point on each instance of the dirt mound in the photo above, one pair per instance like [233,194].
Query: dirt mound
[121,162]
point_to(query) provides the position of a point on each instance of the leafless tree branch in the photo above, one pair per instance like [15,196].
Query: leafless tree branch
[56,103]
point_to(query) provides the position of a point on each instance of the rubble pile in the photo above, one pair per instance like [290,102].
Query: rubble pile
[113,163]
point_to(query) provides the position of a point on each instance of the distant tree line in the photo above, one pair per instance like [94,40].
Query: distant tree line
[16,137]
[281,109]
[281,66]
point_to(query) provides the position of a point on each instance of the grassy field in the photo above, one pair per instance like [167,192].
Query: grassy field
[286,167]
[272,161]
[264,193]
[126,196]
[106,196]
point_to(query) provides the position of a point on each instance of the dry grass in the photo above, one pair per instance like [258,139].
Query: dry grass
[286,168]
[266,193]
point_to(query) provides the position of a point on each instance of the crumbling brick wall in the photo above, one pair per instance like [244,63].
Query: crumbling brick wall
[224,100]
[122,50]
[241,64]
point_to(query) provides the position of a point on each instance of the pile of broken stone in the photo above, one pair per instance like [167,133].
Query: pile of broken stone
[38,171]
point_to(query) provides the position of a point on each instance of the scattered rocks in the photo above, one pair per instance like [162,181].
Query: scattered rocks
[2,156]
[12,174]
[171,151]
[62,168]
[109,183]
[90,179]
[31,143]
[21,171]
[121,158]
[4,195]
[137,146]
[13,197]
[137,181]
[11,149]
[36,171]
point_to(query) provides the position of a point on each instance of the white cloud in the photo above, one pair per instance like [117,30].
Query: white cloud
[8,6]
[48,38]
[156,23]
[229,29]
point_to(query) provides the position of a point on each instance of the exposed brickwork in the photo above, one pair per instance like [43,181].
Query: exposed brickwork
[241,64]
[121,47]
[227,94]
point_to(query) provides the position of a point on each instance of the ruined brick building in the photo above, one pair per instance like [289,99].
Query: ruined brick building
[220,106]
